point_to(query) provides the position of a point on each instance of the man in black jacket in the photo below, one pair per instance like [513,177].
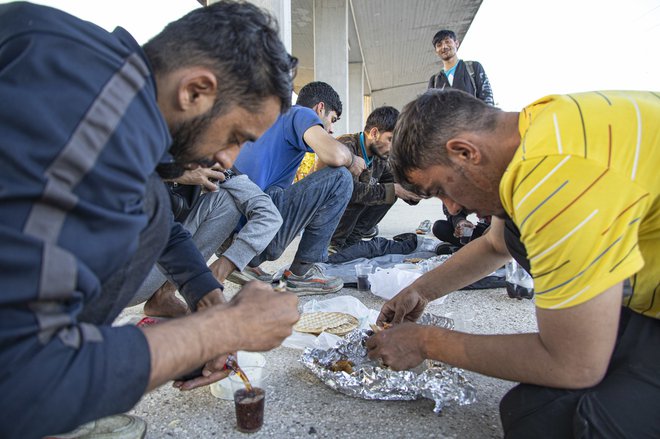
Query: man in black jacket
[374,190]
[468,76]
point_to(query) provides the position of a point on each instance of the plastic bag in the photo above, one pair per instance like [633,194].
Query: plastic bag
[387,283]
[519,284]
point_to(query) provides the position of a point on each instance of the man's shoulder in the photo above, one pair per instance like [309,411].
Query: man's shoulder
[300,113]
[350,140]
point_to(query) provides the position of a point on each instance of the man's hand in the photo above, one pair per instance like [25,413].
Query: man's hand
[461,226]
[357,166]
[207,177]
[400,347]
[408,305]
[264,317]
[404,194]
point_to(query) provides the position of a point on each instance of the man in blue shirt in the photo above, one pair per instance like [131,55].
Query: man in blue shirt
[313,205]
[84,217]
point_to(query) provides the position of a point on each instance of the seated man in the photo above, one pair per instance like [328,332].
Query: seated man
[84,217]
[374,190]
[314,204]
[211,217]
[572,183]
[457,229]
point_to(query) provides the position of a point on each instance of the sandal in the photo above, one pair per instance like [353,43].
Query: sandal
[424,227]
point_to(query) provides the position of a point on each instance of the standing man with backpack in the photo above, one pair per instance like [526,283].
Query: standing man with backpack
[468,76]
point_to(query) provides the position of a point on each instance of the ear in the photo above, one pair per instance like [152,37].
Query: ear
[463,151]
[458,44]
[319,109]
[373,133]
[197,90]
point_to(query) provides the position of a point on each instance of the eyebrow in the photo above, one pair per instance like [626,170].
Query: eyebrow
[246,136]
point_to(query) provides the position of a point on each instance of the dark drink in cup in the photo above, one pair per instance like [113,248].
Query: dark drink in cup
[249,409]
[363,283]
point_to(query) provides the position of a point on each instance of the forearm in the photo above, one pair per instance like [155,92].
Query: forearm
[221,268]
[179,346]
[461,270]
[492,355]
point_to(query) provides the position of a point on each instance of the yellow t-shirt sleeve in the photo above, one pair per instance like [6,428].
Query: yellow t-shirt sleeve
[579,222]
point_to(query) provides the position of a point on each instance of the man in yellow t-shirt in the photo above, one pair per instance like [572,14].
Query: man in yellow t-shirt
[572,183]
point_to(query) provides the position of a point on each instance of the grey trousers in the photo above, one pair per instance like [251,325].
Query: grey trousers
[211,222]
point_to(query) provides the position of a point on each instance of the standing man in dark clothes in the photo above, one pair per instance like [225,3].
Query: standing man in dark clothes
[468,76]
[374,190]
[84,217]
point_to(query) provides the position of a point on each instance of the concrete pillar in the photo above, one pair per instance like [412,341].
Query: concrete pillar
[281,10]
[331,52]
[355,97]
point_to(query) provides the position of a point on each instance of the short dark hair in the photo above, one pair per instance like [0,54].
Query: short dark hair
[318,91]
[384,118]
[427,123]
[442,34]
[236,40]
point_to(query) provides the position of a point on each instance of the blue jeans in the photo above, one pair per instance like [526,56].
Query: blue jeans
[315,204]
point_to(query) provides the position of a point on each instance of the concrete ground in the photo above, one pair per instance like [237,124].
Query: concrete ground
[298,405]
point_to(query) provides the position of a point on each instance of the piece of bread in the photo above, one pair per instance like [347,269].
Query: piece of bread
[337,323]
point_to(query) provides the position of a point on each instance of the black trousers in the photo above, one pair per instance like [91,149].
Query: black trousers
[626,404]
[356,222]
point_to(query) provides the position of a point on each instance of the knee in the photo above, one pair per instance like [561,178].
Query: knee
[442,230]
[344,182]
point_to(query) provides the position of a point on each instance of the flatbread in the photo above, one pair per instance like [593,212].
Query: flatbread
[414,260]
[337,323]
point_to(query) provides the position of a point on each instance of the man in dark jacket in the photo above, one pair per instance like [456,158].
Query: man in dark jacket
[468,76]
[374,190]
[84,217]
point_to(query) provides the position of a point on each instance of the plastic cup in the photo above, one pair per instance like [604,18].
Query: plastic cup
[256,375]
[249,407]
[225,388]
[362,271]
[466,235]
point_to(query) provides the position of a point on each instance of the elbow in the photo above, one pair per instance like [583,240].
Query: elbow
[583,376]
[338,160]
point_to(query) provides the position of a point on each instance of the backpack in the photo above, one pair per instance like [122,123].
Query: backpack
[470,69]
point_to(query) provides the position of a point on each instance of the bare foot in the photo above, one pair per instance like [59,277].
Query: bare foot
[165,304]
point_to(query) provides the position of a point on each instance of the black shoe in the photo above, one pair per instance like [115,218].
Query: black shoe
[405,237]
[445,248]
[371,233]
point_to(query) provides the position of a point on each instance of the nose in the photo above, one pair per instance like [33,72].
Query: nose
[452,206]
[226,157]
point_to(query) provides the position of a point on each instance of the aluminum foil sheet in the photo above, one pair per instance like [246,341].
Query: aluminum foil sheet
[371,380]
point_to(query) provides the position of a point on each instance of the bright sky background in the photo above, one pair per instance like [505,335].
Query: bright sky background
[529,48]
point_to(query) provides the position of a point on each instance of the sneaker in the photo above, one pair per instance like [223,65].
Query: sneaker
[312,282]
[111,427]
[424,227]
[371,233]
[405,237]
[248,274]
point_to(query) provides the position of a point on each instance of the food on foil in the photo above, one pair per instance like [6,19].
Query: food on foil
[342,366]
[377,328]
[369,379]
[337,323]
[414,260]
